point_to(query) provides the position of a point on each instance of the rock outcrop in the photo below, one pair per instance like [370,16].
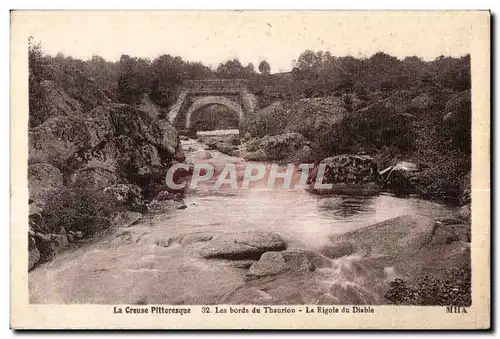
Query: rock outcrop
[238,246]
[347,173]
[44,179]
[282,146]
[296,262]
[228,246]
[82,140]
[57,102]
[33,252]
[113,144]
[94,178]
[421,103]
[398,103]
[128,195]
[306,116]
[42,246]
[357,266]
[56,140]
[414,245]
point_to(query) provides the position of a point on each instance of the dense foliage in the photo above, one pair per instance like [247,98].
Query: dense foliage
[453,290]
[315,74]
[79,209]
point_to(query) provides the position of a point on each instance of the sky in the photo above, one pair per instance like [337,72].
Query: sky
[217,36]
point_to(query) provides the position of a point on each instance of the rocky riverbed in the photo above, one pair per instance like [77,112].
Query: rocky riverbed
[261,246]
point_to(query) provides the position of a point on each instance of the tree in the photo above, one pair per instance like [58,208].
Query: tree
[197,71]
[39,69]
[168,73]
[250,68]
[104,73]
[264,67]
[134,79]
[231,69]
[312,61]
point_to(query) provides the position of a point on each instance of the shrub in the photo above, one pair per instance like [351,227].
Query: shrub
[442,175]
[253,145]
[454,290]
[79,209]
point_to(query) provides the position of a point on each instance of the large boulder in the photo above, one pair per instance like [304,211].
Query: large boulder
[392,237]
[238,245]
[53,101]
[78,85]
[413,245]
[225,148]
[464,212]
[33,252]
[422,103]
[57,139]
[92,97]
[292,262]
[256,156]
[61,136]
[134,157]
[267,120]
[399,102]
[122,153]
[126,219]
[97,178]
[57,101]
[43,180]
[348,173]
[270,263]
[140,126]
[285,277]
[311,117]
[98,125]
[304,155]
[406,246]
[128,195]
[282,146]
[134,162]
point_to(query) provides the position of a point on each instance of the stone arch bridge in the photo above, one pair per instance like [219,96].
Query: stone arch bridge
[198,94]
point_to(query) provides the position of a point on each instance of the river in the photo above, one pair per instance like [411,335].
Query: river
[129,267]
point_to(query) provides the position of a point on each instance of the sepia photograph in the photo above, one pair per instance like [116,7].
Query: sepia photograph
[221,163]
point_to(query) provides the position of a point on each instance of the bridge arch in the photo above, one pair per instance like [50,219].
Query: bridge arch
[210,100]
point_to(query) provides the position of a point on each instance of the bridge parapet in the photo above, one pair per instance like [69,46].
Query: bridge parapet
[216,85]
